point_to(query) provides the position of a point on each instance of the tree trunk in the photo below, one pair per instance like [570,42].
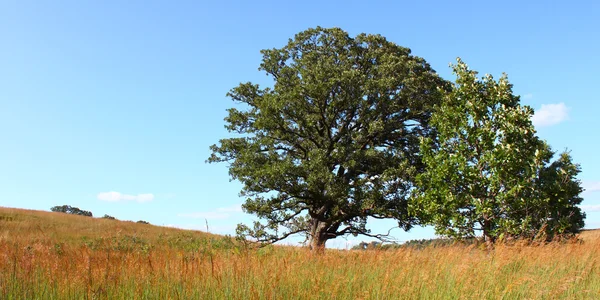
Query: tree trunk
[318,236]
[317,244]
[487,235]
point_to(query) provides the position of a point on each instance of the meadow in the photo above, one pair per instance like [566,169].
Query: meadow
[46,255]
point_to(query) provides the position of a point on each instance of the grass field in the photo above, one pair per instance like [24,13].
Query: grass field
[47,255]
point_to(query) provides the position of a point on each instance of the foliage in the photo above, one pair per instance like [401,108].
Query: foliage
[108,217]
[71,210]
[142,222]
[487,170]
[556,214]
[438,242]
[411,244]
[334,141]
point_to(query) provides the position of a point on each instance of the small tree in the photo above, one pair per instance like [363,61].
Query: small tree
[487,170]
[335,141]
[556,213]
[142,222]
[108,217]
[71,210]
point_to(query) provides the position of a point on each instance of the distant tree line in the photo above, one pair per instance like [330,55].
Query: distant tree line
[413,244]
[68,209]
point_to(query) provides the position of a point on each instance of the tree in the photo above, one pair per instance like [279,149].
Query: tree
[71,210]
[108,217]
[556,213]
[334,141]
[487,171]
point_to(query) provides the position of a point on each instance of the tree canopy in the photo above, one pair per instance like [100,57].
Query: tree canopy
[335,140]
[486,170]
[557,190]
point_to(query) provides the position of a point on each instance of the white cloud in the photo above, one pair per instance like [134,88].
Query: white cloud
[591,186]
[550,114]
[218,214]
[209,215]
[590,208]
[527,96]
[116,197]
[233,208]
[218,229]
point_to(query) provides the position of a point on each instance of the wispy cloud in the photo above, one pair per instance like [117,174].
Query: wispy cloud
[590,208]
[230,209]
[550,114]
[220,229]
[527,96]
[591,186]
[209,215]
[217,214]
[117,197]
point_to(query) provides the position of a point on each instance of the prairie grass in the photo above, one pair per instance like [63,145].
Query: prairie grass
[57,256]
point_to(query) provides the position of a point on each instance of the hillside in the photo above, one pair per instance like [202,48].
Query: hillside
[590,235]
[47,255]
[20,225]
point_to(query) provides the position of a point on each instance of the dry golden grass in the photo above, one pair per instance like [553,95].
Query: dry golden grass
[56,256]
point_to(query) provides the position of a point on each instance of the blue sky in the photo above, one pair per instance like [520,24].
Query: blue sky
[111,105]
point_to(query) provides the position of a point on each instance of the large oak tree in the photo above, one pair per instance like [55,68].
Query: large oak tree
[334,141]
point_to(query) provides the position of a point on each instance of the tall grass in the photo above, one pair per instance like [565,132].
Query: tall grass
[57,256]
